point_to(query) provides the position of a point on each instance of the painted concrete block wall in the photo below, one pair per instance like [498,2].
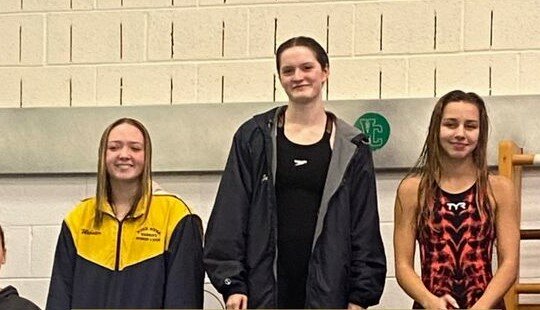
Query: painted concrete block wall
[161,52]
[379,49]
[32,208]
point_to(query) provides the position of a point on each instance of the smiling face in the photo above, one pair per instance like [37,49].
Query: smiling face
[459,129]
[301,74]
[124,156]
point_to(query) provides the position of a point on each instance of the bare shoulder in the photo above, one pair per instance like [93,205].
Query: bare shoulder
[406,206]
[407,192]
[502,190]
[409,186]
[501,185]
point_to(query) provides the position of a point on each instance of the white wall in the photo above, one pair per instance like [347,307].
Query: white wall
[132,52]
[129,52]
[32,208]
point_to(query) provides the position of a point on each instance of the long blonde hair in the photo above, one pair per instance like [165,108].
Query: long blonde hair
[428,166]
[103,188]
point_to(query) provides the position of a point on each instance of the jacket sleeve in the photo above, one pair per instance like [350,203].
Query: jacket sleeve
[28,305]
[368,265]
[61,286]
[224,249]
[185,273]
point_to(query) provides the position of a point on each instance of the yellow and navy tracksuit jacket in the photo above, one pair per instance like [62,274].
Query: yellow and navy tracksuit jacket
[149,261]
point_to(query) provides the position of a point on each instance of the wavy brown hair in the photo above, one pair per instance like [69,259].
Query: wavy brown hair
[103,188]
[429,165]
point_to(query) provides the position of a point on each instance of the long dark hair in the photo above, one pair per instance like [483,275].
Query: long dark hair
[429,165]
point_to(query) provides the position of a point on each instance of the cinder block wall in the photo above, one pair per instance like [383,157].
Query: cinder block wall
[129,52]
[160,52]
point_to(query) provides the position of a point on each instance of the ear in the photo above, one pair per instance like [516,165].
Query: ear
[326,72]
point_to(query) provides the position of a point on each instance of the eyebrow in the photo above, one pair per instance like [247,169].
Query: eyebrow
[302,64]
[129,142]
[455,119]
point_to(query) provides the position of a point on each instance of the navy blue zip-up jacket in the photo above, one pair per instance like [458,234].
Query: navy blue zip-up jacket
[150,260]
[347,263]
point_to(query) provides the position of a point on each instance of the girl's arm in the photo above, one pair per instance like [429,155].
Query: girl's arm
[405,213]
[507,228]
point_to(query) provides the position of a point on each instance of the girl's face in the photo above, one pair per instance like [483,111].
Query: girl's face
[460,128]
[301,75]
[124,157]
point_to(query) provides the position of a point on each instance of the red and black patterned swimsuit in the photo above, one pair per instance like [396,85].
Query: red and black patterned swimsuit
[456,250]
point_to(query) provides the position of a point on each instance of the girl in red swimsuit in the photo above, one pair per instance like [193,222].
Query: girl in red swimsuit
[455,209]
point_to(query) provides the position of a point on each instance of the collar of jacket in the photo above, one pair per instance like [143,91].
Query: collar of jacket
[267,122]
[140,208]
[346,140]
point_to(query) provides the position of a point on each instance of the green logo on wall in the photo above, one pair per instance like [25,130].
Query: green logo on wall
[375,127]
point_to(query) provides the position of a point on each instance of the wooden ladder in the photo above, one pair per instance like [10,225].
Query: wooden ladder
[511,160]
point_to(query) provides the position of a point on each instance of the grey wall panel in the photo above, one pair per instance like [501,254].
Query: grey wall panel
[515,118]
[65,140]
[197,137]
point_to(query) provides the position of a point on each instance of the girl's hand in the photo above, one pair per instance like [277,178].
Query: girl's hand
[237,302]
[443,302]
